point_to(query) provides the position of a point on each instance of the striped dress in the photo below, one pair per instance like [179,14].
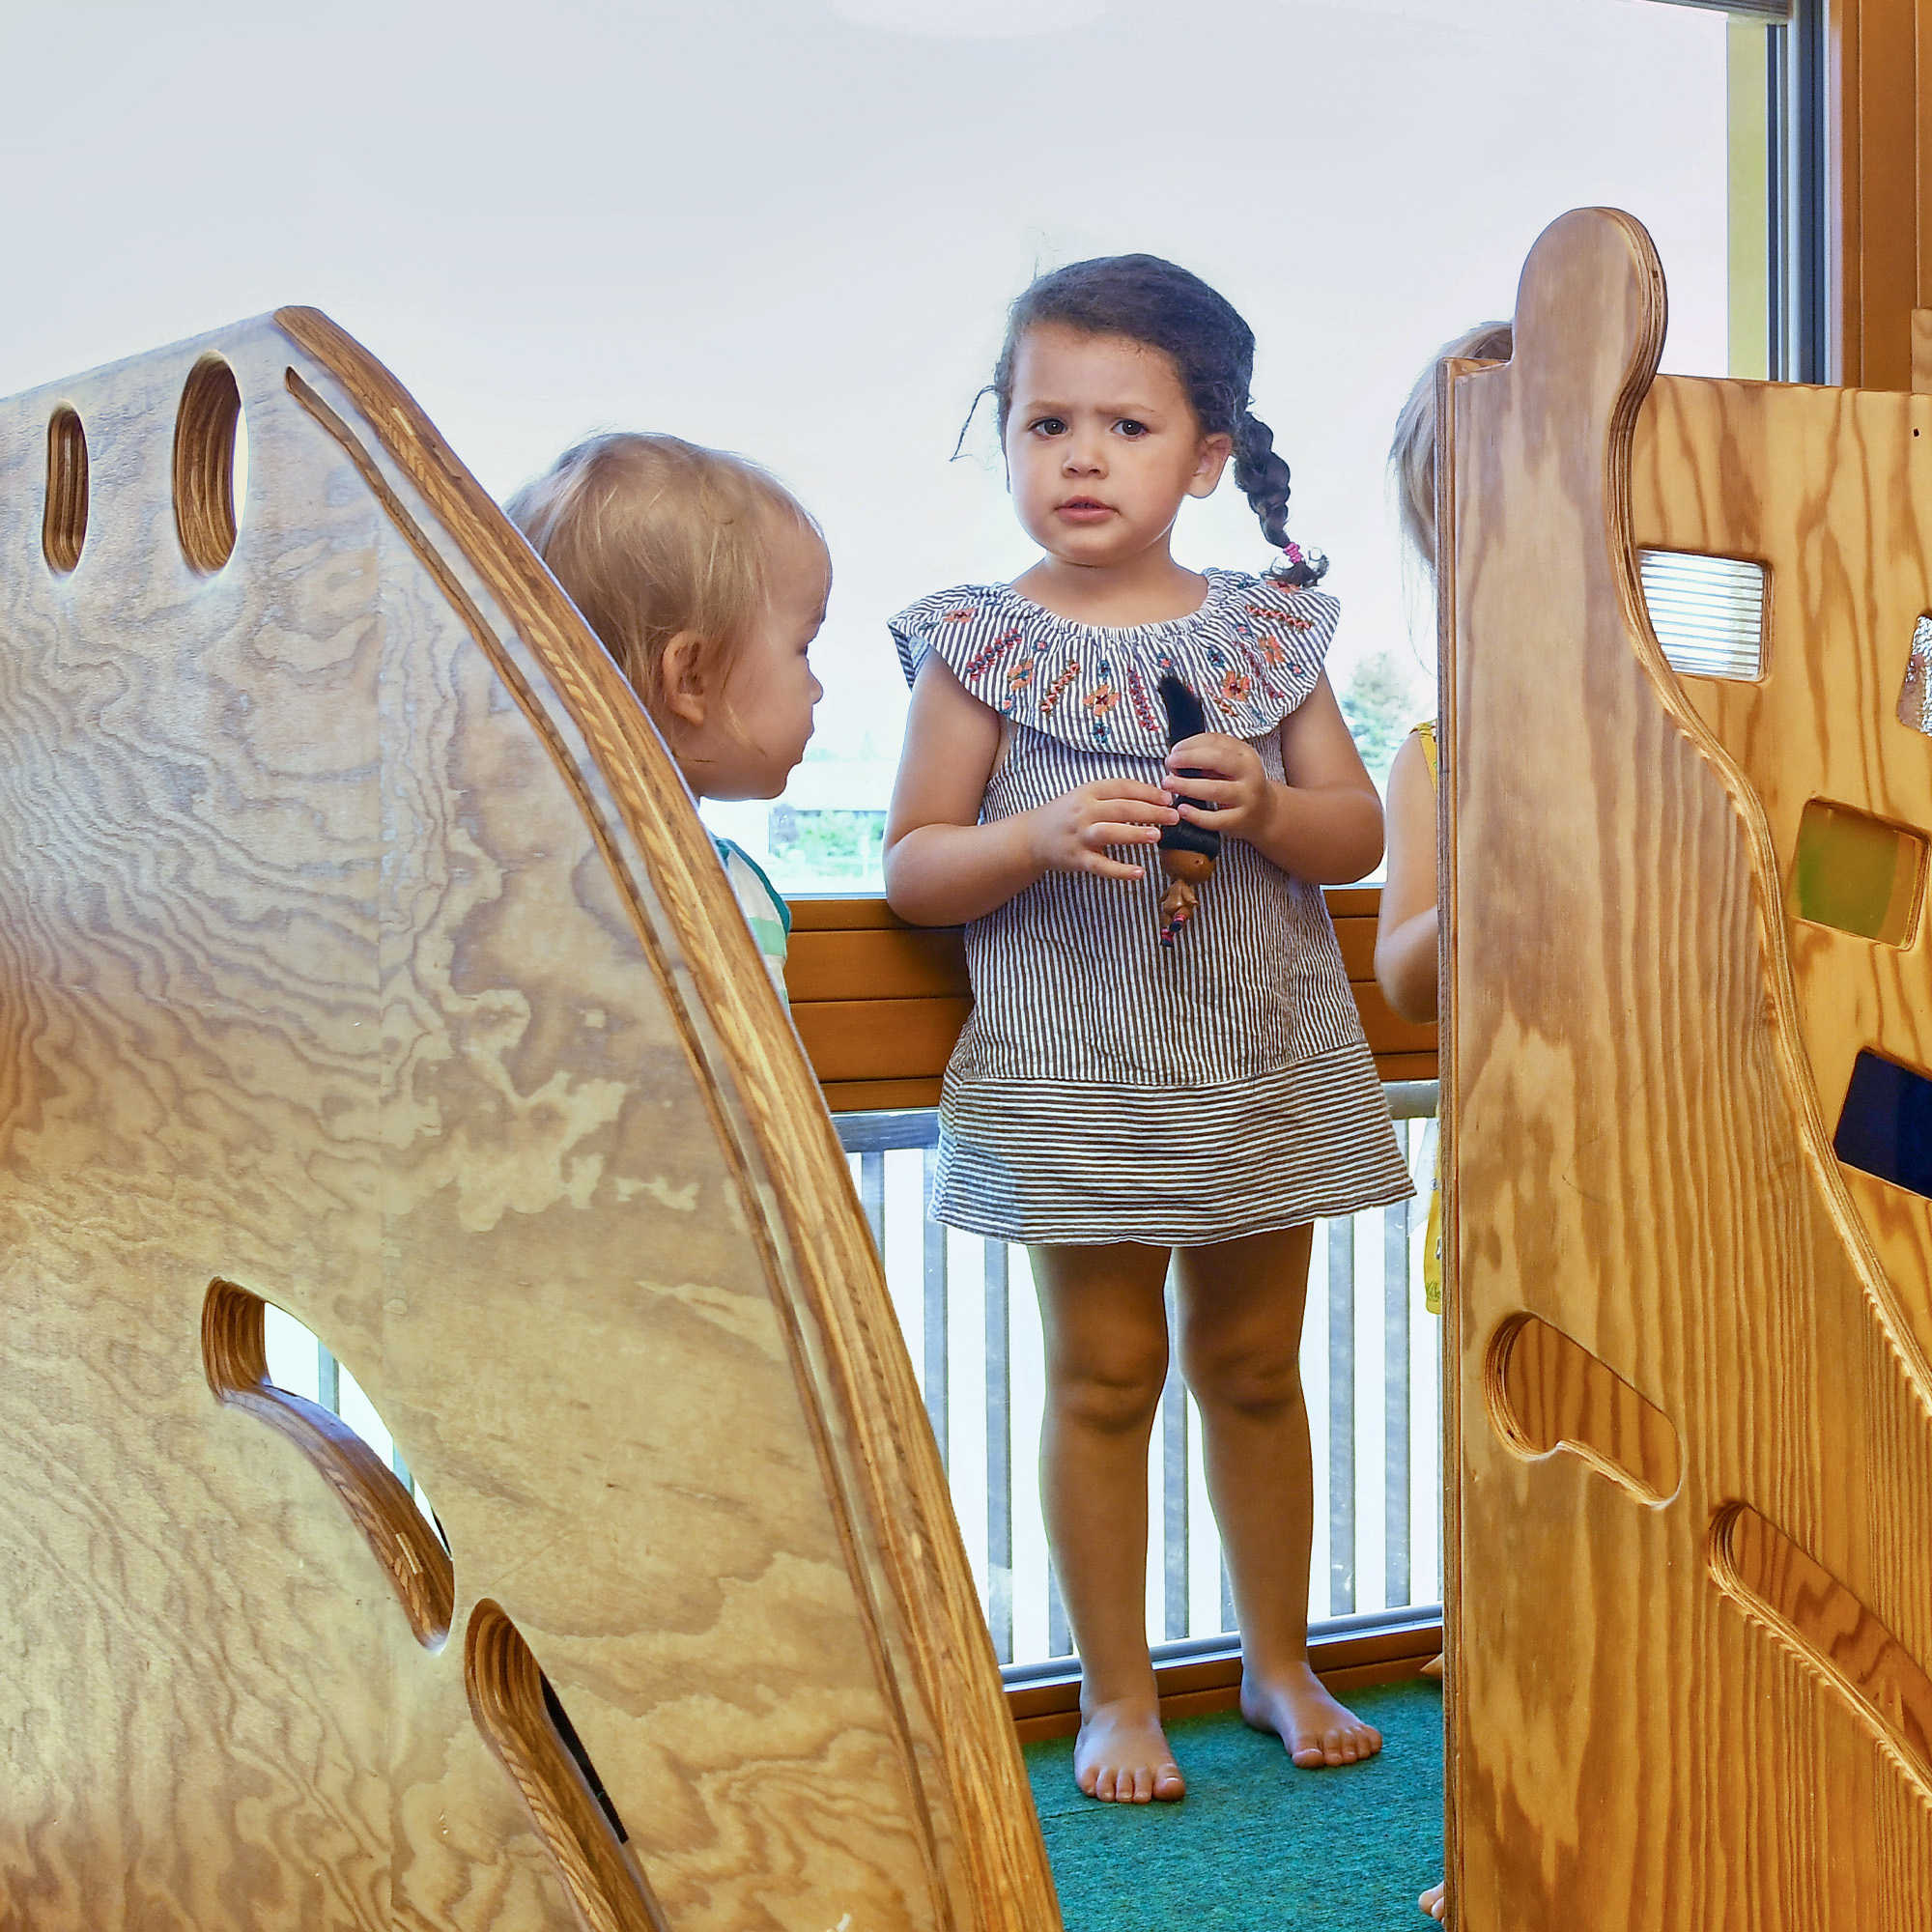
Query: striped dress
[1105,1088]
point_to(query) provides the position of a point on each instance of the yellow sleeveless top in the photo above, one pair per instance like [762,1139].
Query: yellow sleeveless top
[1432,1239]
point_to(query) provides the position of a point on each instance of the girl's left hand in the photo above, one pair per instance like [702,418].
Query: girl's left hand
[1238,795]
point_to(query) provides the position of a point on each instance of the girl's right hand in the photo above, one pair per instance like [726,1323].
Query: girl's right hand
[1072,833]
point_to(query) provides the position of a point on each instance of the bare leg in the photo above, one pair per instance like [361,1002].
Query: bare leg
[1241,1304]
[1434,1902]
[1105,1316]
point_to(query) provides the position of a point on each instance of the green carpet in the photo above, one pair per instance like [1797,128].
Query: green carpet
[1257,1846]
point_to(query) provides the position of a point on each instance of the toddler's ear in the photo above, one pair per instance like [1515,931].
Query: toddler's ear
[683,679]
[1215,451]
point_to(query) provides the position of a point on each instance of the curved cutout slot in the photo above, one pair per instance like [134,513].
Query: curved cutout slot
[1799,1600]
[525,1723]
[64,522]
[205,431]
[418,1567]
[1547,1392]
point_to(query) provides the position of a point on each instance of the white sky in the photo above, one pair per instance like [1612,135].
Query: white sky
[791,227]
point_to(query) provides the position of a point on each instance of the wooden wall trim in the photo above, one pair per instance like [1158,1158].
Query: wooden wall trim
[1879,92]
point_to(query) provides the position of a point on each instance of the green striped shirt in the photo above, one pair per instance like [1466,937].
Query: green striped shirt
[766,912]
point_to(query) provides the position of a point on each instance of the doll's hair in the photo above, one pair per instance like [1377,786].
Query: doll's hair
[651,535]
[1412,452]
[1145,299]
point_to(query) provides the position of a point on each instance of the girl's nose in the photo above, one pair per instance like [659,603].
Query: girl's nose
[1081,457]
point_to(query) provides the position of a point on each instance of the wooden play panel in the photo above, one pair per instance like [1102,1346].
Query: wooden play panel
[361,953]
[1691,1599]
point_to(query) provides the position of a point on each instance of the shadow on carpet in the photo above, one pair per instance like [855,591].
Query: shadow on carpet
[1257,1846]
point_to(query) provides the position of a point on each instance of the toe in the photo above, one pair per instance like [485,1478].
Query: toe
[1168,1784]
[1143,1783]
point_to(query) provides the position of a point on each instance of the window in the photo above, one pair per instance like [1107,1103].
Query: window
[1362,178]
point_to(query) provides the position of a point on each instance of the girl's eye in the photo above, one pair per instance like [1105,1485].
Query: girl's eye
[1050,426]
[1129,427]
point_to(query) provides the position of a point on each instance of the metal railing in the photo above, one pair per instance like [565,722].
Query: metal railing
[1370,1362]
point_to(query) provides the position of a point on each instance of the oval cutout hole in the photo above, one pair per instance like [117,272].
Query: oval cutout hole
[205,443]
[63,525]
[1789,1591]
[406,1544]
[524,1724]
[1547,1392]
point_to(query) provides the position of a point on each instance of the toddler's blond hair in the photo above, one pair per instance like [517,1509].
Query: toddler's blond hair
[651,535]
[1412,453]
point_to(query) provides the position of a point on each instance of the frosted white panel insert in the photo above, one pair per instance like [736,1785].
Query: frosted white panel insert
[1708,611]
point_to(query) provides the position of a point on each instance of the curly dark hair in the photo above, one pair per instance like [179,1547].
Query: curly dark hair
[1154,303]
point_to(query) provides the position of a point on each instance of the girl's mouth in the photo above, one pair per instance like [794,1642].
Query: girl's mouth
[1083,510]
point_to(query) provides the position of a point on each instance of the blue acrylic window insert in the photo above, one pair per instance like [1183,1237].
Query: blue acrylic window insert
[1885,1128]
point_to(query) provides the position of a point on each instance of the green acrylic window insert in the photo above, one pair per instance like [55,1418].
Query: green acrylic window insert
[1857,873]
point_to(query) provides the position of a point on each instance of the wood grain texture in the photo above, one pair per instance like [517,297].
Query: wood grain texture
[880,1040]
[1639,1159]
[1799,1600]
[916,964]
[358,946]
[1545,1393]
[1830,489]
[1922,352]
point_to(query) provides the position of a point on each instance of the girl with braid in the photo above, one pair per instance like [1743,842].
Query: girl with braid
[1133,1109]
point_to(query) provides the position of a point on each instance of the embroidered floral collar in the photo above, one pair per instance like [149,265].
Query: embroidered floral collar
[1252,652]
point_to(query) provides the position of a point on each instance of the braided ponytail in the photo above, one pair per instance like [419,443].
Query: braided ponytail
[1152,302]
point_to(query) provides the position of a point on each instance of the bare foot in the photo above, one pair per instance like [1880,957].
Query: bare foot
[1314,1728]
[1122,1757]
[1434,1902]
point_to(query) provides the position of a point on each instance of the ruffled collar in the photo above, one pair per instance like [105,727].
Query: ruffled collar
[1252,652]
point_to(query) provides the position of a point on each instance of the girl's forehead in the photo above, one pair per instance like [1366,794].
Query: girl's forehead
[1051,355]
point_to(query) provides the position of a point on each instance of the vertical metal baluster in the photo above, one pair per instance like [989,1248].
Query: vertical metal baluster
[1229,1620]
[872,1194]
[1396,1291]
[935,1315]
[1059,1644]
[1173,1489]
[999,1457]
[327,1381]
[1341,1416]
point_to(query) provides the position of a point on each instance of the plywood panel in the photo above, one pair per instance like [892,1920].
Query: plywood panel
[1831,490]
[358,949]
[1644,1729]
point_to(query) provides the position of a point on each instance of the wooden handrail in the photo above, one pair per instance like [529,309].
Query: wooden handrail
[879,1003]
